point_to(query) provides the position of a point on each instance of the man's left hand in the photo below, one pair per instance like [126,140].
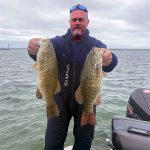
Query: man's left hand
[107,56]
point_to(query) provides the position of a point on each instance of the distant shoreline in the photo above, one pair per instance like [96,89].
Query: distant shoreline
[129,49]
[4,48]
[11,48]
[109,48]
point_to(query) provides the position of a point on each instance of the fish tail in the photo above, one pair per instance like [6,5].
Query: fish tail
[34,66]
[52,110]
[88,118]
[38,94]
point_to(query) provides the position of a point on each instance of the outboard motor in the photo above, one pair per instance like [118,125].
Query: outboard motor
[139,105]
[133,131]
[130,134]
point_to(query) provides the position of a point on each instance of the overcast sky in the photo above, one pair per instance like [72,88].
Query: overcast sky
[117,23]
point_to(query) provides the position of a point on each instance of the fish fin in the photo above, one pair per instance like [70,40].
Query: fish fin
[34,66]
[78,95]
[38,94]
[97,72]
[98,100]
[58,88]
[52,111]
[104,74]
[88,118]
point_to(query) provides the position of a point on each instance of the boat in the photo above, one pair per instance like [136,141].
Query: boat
[71,146]
[68,147]
[132,131]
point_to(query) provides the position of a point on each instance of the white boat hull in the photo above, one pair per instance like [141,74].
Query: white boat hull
[68,147]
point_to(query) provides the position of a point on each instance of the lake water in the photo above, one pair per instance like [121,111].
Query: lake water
[23,118]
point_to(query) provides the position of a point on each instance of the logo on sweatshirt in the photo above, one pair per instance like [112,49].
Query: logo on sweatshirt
[67,75]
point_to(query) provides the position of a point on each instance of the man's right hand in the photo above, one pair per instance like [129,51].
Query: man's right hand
[33,45]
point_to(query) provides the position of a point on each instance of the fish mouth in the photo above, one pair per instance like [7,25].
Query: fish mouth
[44,41]
[97,65]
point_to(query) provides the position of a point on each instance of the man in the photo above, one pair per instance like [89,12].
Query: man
[71,51]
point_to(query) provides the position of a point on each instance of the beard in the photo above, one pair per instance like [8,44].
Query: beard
[77,34]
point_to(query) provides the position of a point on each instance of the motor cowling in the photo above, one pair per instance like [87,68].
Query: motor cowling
[139,105]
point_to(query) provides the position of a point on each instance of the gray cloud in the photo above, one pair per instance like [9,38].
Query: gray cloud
[118,23]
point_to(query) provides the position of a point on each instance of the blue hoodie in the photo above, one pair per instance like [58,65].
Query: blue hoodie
[71,56]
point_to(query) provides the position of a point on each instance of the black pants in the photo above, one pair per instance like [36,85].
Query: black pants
[57,127]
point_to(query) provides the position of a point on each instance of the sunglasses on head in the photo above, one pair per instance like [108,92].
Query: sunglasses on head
[78,7]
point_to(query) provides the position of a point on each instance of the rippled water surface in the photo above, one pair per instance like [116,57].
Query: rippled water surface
[23,118]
